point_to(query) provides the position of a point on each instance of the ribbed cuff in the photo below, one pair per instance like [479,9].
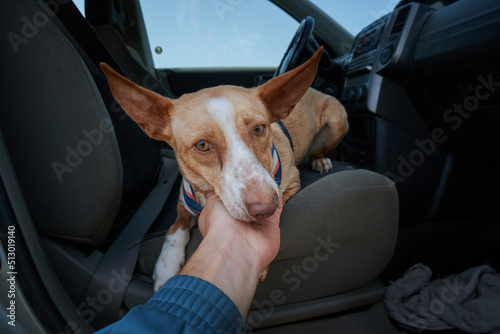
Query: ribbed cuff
[199,303]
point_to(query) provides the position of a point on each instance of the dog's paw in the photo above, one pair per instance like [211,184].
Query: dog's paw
[171,258]
[165,270]
[322,165]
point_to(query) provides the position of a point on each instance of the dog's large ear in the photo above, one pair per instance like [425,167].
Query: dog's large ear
[281,94]
[148,109]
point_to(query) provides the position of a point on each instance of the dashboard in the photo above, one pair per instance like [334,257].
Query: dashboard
[360,63]
[421,86]
[377,50]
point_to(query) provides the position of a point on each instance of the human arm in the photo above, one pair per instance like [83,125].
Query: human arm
[233,254]
[213,292]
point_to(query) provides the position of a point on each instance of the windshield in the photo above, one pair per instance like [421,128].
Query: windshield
[354,15]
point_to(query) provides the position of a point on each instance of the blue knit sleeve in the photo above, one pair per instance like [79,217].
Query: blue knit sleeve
[185,304]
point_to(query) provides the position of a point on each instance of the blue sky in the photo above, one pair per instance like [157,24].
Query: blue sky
[233,33]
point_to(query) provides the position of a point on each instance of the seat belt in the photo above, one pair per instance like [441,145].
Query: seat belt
[114,272]
[112,276]
[70,17]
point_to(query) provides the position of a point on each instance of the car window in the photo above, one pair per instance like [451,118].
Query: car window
[354,15]
[217,33]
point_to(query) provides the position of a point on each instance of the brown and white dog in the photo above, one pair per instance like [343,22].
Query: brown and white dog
[227,139]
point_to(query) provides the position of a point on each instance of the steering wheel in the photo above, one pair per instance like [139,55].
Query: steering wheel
[296,48]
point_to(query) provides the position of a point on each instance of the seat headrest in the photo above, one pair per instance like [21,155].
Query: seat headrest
[58,133]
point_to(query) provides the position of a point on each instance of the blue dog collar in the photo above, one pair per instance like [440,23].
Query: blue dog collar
[189,199]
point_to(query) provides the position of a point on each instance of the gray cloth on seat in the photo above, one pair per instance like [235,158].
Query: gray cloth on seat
[469,301]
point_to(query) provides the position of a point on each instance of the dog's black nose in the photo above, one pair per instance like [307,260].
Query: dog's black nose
[260,210]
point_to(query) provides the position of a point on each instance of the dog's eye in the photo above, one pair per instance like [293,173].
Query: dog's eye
[259,130]
[202,146]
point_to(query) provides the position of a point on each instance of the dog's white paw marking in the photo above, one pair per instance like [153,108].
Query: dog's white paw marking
[171,258]
[322,165]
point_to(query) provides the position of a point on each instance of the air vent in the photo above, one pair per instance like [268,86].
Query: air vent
[368,39]
[399,23]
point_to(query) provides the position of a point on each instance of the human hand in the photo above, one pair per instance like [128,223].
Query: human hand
[258,238]
[233,254]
